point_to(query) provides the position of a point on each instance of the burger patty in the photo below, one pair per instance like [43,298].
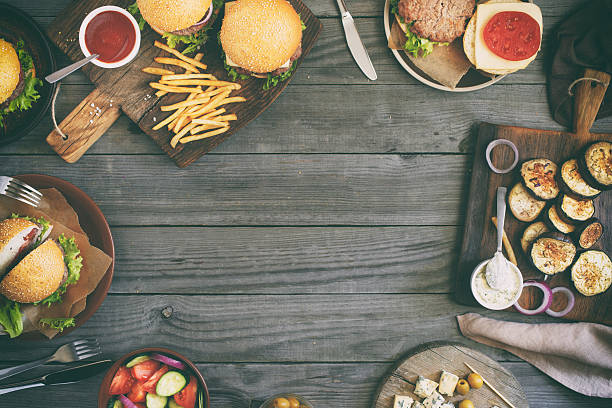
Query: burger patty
[297,54]
[18,90]
[437,20]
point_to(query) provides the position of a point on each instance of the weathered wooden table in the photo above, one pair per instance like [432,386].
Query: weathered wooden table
[312,249]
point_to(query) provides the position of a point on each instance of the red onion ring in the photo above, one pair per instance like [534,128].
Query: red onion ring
[498,142]
[570,302]
[196,27]
[127,402]
[546,301]
[168,361]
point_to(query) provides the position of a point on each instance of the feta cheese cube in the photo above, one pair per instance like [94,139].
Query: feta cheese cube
[448,382]
[417,404]
[435,400]
[448,405]
[402,401]
[424,387]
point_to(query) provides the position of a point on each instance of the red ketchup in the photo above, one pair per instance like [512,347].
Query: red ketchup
[111,35]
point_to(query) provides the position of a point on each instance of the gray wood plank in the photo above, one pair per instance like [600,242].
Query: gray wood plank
[325,385]
[266,189]
[274,328]
[380,118]
[284,260]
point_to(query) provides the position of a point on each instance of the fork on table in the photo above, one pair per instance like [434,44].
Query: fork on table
[11,187]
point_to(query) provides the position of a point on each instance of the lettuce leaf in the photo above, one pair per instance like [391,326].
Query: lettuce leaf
[415,45]
[273,80]
[10,317]
[41,221]
[57,323]
[193,42]
[74,262]
[135,11]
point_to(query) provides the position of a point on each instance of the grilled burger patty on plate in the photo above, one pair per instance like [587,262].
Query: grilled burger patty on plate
[437,20]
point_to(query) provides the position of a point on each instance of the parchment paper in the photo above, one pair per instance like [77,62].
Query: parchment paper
[64,219]
[445,64]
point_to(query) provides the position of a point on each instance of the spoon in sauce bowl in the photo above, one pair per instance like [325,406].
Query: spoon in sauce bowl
[64,72]
[498,268]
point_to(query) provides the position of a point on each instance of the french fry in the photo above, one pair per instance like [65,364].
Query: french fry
[196,101]
[174,77]
[214,102]
[159,94]
[209,122]
[157,71]
[174,89]
[198,57]
[203,82]
[226,118]
[204,135]
[180,134]
[179,55]
[177,62]
[207,115]
[202,128]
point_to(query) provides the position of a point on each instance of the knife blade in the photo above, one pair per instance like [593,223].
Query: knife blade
[67,376]
[358,50]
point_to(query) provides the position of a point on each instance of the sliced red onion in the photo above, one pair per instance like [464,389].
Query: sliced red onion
[495,143]
[570,302]
[168,361]
[197,26]
[127,403]
[546,300]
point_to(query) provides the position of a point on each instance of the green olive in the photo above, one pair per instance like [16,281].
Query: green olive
[281,403]
[466,404]
[462,387]
[475,381]
[293,402]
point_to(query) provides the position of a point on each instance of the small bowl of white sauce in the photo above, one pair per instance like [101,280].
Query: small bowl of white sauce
[506,292]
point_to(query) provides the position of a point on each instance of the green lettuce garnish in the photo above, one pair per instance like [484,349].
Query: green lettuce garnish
[41,221]
[74,262]
[57,323]
[29,95]
[10,317]
[135,11]
[415,45]
[273,80]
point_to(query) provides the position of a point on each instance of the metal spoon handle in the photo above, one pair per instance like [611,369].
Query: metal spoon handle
[501,215]
[64,72]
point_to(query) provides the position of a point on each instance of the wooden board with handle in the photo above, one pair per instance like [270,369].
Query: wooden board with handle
[428,360]
[127,88]
[479,233]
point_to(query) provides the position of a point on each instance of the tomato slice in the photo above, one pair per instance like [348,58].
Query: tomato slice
[149,386]
[137,393]
[122,382]
[512,35]
[143,371]
[186,398]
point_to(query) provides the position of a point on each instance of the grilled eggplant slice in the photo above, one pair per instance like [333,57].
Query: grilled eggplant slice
[592,273]
[531,233]
[588,233]
[552,253]
[539,176]
[522,204]
[595,165]
[571,181]
[552,219]
[575,211]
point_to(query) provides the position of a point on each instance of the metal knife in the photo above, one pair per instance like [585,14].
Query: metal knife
[67,376]
[360,54]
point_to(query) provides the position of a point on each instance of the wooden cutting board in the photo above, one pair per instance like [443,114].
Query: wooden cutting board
[126,89]
[430,359]
[479,238]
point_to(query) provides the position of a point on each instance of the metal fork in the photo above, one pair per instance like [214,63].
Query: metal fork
[68,353]
[11,187]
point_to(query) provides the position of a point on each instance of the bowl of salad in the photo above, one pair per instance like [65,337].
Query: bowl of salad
[153,378]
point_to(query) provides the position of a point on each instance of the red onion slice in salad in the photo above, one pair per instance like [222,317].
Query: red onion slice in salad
[546,300]
[197,26]
[571,300]
[127,403]
[168,361]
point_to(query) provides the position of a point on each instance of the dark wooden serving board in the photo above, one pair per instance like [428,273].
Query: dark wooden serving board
[430,359]
[127,87]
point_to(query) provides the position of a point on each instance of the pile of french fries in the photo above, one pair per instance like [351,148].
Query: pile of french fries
[200,115]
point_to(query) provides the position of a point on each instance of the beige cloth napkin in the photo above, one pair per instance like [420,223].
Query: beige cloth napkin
[578,355]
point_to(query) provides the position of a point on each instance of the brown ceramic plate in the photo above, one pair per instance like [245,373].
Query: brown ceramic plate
[95,226]
[104,396]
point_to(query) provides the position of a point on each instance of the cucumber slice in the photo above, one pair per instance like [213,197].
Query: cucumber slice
[173,404]
[137,360]
[114,403]
[156,401]
[170,383]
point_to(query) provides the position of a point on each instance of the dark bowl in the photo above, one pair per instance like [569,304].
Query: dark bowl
[104,396]
[95,226]
[16,25]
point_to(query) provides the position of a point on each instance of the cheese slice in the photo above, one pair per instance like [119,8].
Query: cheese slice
[402,401]
[448,382]
[484,57]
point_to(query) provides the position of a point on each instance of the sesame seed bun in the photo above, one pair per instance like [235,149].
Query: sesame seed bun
[15,237]
[166,16]
[37,276]
[11,227]
[260,35]
[10,70]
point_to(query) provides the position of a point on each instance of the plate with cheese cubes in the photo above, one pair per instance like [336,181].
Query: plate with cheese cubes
[463,45]
[435,375]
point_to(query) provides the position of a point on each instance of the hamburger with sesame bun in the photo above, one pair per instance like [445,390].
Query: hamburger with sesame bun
[18,80]
[261,38]
[180,22]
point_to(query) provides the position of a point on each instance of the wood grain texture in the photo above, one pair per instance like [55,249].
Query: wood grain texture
[428,360]
[285,260]
[267,189]
[479,234]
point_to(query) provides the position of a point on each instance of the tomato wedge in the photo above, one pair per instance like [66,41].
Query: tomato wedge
[186,398]
[122,382]
[137,393]
[149,386]
[143,371]
[140,405]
